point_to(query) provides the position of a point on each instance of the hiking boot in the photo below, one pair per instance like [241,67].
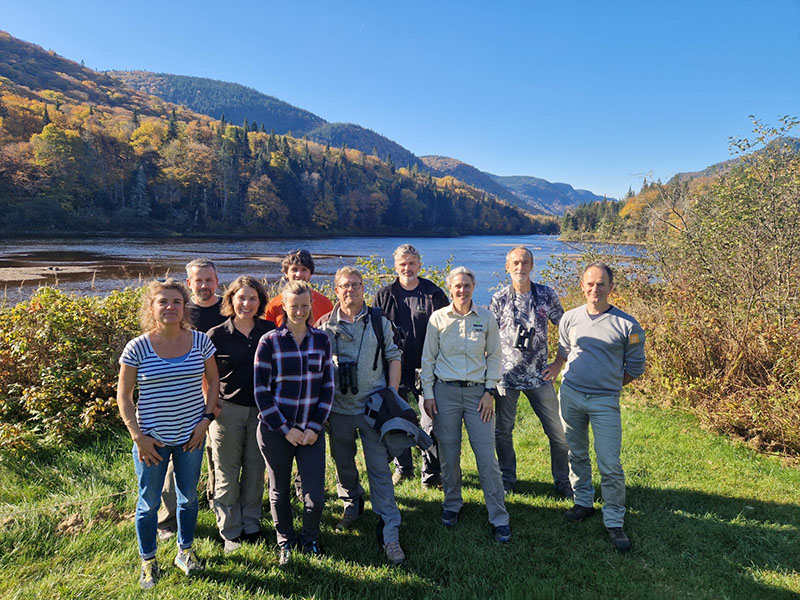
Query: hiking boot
[578,513]
[619,540]
[164,533]
[394,553]
[150,574]
[502,534]
[347,520]
[564,489]
[284,554]
[187,561]
[434,483]
[399,476]
[312,548]
[232,545]
[449,518]
[252,538]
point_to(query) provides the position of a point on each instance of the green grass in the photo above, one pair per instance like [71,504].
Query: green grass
[708,518]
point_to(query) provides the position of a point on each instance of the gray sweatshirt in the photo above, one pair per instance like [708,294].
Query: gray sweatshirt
[356,342]
[599,352]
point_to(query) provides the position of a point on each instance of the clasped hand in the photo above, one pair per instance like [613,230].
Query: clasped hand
[296,437]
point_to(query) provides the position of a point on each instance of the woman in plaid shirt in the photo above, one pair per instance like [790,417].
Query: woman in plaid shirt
[294,390]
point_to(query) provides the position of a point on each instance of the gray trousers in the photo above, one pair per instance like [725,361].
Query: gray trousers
[454,404]
[279,455]
[544,403]
[431,470]
[579,410]
[344,430]
[238,470]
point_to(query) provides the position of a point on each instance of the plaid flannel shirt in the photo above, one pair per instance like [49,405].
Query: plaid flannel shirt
[293,383]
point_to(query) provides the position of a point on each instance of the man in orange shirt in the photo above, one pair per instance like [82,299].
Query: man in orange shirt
[298,266]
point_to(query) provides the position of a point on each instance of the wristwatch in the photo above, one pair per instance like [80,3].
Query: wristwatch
[210,416]
[492,391]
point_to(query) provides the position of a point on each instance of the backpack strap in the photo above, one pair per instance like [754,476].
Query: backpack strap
[376,318]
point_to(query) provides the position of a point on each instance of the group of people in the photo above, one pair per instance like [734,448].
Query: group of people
[264,381]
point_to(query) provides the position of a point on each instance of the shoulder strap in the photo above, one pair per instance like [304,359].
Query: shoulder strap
[376,318]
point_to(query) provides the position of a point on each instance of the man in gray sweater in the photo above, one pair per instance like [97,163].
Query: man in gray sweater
[603,349]
[359,371]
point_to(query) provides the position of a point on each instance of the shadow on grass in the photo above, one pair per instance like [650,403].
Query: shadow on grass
[686,544]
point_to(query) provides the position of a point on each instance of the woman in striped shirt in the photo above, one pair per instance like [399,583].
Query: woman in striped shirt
[294,393]
[168,362]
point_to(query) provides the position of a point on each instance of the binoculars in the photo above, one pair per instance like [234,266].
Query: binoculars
[348,377]
[524,339]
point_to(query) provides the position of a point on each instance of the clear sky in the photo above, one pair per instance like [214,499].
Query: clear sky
[594,94]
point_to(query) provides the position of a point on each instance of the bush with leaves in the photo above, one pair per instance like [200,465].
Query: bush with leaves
[59,357]
[717,291]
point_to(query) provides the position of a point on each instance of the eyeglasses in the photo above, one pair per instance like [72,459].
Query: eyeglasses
[351,286]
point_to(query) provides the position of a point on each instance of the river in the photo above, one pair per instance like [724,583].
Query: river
[98,265]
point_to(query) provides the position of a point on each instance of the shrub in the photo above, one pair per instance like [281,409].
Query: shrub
[58,364]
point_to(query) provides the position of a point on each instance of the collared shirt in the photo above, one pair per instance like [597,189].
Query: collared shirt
[235,355]
[356,342]
[461,348]
[522,369]
[294,382]
[320,305]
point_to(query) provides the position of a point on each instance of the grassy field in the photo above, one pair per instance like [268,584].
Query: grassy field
[708,519]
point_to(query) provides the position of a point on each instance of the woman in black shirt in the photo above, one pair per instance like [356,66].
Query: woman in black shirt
[238,465]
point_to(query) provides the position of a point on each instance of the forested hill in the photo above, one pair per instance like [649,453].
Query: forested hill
[238,104]
[218,99]
[266,113]
[557,197]
[81,151]
[445,165]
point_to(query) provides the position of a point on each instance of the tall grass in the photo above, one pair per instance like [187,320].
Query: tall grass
[708,517]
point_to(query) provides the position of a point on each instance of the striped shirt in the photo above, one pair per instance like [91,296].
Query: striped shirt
[171,398]
[293,384]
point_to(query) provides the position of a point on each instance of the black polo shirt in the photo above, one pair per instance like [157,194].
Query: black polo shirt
[235,356]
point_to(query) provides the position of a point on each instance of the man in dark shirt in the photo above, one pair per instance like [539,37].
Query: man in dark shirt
[203,306]
[408,302]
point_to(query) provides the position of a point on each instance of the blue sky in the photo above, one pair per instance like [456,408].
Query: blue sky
[594,94]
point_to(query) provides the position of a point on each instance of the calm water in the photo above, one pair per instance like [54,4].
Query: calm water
[101,265]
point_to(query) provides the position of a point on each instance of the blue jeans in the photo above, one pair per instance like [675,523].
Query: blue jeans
[151,481]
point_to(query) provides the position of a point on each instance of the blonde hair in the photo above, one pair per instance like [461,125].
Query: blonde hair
[146,319]
[297,288]
[243,281]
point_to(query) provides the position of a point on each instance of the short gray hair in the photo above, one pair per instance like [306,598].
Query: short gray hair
[598,264]
[347,271]
[406,250]
[460,271]
[520,247]
[199,263]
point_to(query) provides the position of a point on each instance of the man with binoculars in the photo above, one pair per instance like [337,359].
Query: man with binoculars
[359,370]
[522,310]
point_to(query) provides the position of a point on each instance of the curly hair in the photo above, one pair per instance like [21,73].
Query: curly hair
[146,319]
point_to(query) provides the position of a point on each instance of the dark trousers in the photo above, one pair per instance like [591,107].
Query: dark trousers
[431,470]
[279,455]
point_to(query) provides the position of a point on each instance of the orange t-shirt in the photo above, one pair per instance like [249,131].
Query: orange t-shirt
[320,305]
